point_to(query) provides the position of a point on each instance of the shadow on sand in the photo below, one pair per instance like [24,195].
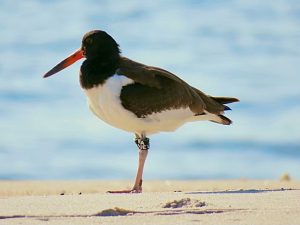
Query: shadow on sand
[248,191]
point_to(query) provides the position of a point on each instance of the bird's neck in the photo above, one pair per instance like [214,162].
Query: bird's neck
[96,71]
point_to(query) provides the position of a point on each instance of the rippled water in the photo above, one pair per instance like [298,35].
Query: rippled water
[248,49]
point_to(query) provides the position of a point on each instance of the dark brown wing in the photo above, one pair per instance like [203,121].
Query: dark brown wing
[156,90]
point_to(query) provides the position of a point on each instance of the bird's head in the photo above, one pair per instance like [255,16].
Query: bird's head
[96,44]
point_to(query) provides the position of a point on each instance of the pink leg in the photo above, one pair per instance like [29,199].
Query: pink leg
[143,145]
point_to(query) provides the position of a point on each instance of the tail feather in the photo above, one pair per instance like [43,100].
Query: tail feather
[225,100]
[225,120]
[226,108]
[221,119]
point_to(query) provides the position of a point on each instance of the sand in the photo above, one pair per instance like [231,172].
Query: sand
[163,202]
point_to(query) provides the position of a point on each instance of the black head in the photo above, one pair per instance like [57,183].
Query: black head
[99,44]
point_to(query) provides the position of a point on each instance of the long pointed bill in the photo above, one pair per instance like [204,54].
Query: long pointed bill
[65,63]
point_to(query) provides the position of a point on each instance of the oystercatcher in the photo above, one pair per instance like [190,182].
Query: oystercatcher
[138,98]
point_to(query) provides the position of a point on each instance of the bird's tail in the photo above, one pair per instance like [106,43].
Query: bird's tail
[225,100]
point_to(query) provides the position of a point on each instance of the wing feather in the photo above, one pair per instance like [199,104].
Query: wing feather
[158,90]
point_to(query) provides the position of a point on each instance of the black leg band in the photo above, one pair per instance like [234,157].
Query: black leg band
[143,144]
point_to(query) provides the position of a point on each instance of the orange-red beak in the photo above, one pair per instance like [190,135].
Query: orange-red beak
[65,63]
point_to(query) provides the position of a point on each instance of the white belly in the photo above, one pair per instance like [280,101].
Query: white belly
[104,101]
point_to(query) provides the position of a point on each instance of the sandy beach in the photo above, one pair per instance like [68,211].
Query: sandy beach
[162,202]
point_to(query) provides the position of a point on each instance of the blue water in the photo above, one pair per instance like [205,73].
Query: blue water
[249,49]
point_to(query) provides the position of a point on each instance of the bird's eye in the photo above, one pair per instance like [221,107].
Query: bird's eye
[89,41]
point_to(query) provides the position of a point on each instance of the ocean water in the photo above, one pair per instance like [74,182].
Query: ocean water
[249,49]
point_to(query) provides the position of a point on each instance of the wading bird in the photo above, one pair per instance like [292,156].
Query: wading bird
[138,98]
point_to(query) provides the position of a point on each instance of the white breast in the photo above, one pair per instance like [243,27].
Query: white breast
[104,101]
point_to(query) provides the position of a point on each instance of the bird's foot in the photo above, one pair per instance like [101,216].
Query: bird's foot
[136,189]
[132,191]
[142,143]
